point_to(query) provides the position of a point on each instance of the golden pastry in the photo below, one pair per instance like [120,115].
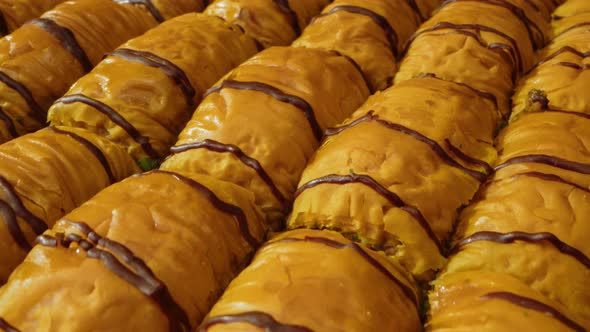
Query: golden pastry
[270,22]
[370,32]
[560,79]
[150,253]
[287,97]
[524,237]
[40,60]
[503,41]
[142,94]
[163,10]
[14,13]
[394,175]
[41,179]
[491,302]
[308,280]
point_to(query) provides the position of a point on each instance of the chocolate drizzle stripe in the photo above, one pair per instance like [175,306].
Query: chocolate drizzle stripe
[550,177]
[7,214]
[575,26]
[170,69]
[277,94]
[259,319]
[3,29]
[514,50]
[7,327]
[92,148]
[233,210]
[407,290]
[286,9]
[138,274]
[381,21]
[390,196]
[115,117]
[535,305]
[11,198]
[515,10]
[565,49]
[148,5]
[512,237]
[35,110]
[416,9]
[486,95]
[547,160]
[9,124]
[578,114]
[433,145]
[358,68]
[468,159]
[572,65]
[254,164]
[66,38]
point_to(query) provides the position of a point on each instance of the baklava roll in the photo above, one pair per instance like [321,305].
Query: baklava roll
[492,302]
[261,123]
[503,41]
[309,280]
[395,173]
[40,60]
[142,94]
[270,22]
[14,13]
[537,205]
[571,15]
[560,80]
[46,174]
[150,253]
[370,32]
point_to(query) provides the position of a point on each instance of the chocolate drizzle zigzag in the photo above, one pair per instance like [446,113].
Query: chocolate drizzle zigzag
[390,196]
[170,69]
[122,262]
[254,164]
[515,10]
[535,305]
[256,318]
[277,94]
[66,39]
[92,148]
[115,117]
[381,21]
[461,28]
[148,5]
[11,207]
[434,146]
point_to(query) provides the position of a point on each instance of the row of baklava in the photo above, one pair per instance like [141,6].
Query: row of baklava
[128,110]
[520,259]
[155,251]
[393,178]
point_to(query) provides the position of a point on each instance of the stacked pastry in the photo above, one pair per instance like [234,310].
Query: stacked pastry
[195,232]
[521,259]
[40,60]
[138,98]
[392,177]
